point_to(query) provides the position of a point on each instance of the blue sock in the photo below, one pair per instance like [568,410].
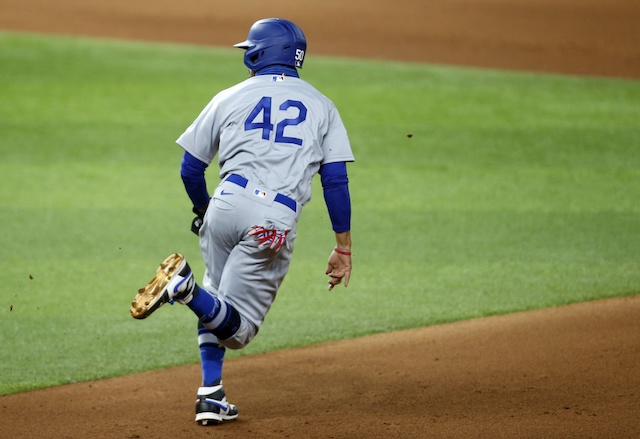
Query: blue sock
[220,317]
[203,304]
[211,357]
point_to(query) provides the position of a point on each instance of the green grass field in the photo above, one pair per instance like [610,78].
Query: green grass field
[475,192]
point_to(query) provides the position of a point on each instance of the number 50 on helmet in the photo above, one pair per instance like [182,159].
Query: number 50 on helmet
[274,41]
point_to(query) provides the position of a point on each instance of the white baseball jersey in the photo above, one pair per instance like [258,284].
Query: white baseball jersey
[273,129]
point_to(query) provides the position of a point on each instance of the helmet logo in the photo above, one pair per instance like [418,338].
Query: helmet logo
[299,57]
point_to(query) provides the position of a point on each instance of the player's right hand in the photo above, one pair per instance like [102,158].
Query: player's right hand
[339,267]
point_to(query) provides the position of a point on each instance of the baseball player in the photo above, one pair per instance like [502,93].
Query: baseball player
[272,133]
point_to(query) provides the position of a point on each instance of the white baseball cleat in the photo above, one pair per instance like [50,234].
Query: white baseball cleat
[212,407]
[173,281]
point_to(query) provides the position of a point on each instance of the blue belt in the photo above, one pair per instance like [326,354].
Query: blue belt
[282,199]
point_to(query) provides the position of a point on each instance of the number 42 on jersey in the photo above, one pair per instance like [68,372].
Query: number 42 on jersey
[260,119]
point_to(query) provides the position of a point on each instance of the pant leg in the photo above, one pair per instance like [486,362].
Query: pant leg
[237,271]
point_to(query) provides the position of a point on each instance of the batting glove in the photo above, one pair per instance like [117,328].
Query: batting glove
[197,221]
[269,237]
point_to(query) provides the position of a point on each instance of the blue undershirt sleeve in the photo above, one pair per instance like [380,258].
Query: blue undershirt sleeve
[335,185]
[192,173]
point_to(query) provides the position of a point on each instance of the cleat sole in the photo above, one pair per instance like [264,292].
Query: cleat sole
[152,296]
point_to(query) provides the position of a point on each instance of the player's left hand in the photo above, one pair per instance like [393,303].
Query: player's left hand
[198,221]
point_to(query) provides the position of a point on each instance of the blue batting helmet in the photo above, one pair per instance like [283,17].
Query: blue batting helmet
[274,41]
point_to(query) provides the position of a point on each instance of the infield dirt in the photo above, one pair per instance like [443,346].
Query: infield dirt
[566,372]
